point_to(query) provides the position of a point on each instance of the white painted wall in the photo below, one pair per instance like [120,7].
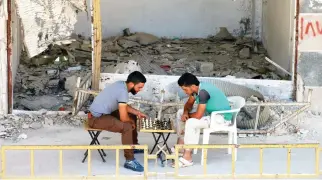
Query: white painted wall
[277,31]
[3,59]
[17,43]
[169,18]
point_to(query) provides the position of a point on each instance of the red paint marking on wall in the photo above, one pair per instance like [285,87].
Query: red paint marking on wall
[310,28]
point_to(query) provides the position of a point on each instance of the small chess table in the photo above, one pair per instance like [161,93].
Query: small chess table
[161,138]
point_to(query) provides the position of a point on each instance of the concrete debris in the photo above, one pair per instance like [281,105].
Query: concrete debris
[143,38]
[124,67]
[70,85]
[223,34]
[23,136]
[219,56]
[13,125]
[244,53]
[41,102]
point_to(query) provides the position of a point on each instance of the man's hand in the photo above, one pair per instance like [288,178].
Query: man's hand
[184,117]
[142,115]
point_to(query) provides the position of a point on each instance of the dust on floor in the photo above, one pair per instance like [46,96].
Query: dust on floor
[219,162]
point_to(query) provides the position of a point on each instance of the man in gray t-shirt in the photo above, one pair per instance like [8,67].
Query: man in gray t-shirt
[111,112]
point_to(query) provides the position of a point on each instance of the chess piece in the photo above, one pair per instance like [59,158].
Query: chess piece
[146,124]
[165,125]
[154,126]
[143,124]
[169,124]
[150,122]
[158,124]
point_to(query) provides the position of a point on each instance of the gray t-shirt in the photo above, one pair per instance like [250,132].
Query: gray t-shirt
[107,101]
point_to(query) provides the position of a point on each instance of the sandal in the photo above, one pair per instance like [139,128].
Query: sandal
[183,163]
[173,152]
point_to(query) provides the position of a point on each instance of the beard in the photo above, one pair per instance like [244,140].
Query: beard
[133,91]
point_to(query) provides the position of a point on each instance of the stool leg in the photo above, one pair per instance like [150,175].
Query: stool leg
[97,142]
[94,137]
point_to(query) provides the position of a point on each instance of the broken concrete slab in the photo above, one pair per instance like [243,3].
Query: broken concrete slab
[244,53]
[70,85]
[223,34]
[41,102]
[143,38]
[206,67]
[127,43]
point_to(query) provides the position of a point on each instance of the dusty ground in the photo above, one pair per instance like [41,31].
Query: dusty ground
[218,160]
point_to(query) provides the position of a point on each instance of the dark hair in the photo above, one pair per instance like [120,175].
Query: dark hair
[188,79]
[136,77]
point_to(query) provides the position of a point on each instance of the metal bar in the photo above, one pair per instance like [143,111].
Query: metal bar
[3,162]
[317,161]
[146,163]
[32,163]
[60,163]
[261,161]
[117,163]
[289,117]
[61,147]
[224,146]
[89,162]
[9,53]
[246,176]
[296,53]
[288,168]
[176,161]
[233,161]
[257,117]
[205,154]
[101,177]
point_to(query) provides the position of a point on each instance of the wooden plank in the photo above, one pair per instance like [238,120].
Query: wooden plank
[97,44]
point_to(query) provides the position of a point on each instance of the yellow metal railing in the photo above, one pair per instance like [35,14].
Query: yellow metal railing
[261,174]
[89,167]
[175,174]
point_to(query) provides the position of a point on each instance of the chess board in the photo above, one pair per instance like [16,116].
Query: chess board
[155,125]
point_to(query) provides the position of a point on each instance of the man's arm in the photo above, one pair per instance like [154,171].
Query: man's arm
[124,116]
[189,104]
[203,99]
[132,110]
[200,112]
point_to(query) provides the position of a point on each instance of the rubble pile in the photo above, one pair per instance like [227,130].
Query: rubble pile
[47,80]
[12,126]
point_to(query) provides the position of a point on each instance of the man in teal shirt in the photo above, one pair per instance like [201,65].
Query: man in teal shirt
[208,98]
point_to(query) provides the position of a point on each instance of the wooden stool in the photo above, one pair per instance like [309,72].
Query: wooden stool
[94,133]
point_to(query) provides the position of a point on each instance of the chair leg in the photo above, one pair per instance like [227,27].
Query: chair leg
[230,140]
[205,140]
[235,142]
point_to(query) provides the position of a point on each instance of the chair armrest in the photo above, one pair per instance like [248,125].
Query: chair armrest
[227,111]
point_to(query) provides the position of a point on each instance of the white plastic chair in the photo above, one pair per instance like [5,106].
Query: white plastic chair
[237,103]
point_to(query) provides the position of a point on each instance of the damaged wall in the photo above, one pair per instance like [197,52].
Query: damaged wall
[47,21]
[17,42]
[3,58]
[179,18]
[310,49]
[278,30]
